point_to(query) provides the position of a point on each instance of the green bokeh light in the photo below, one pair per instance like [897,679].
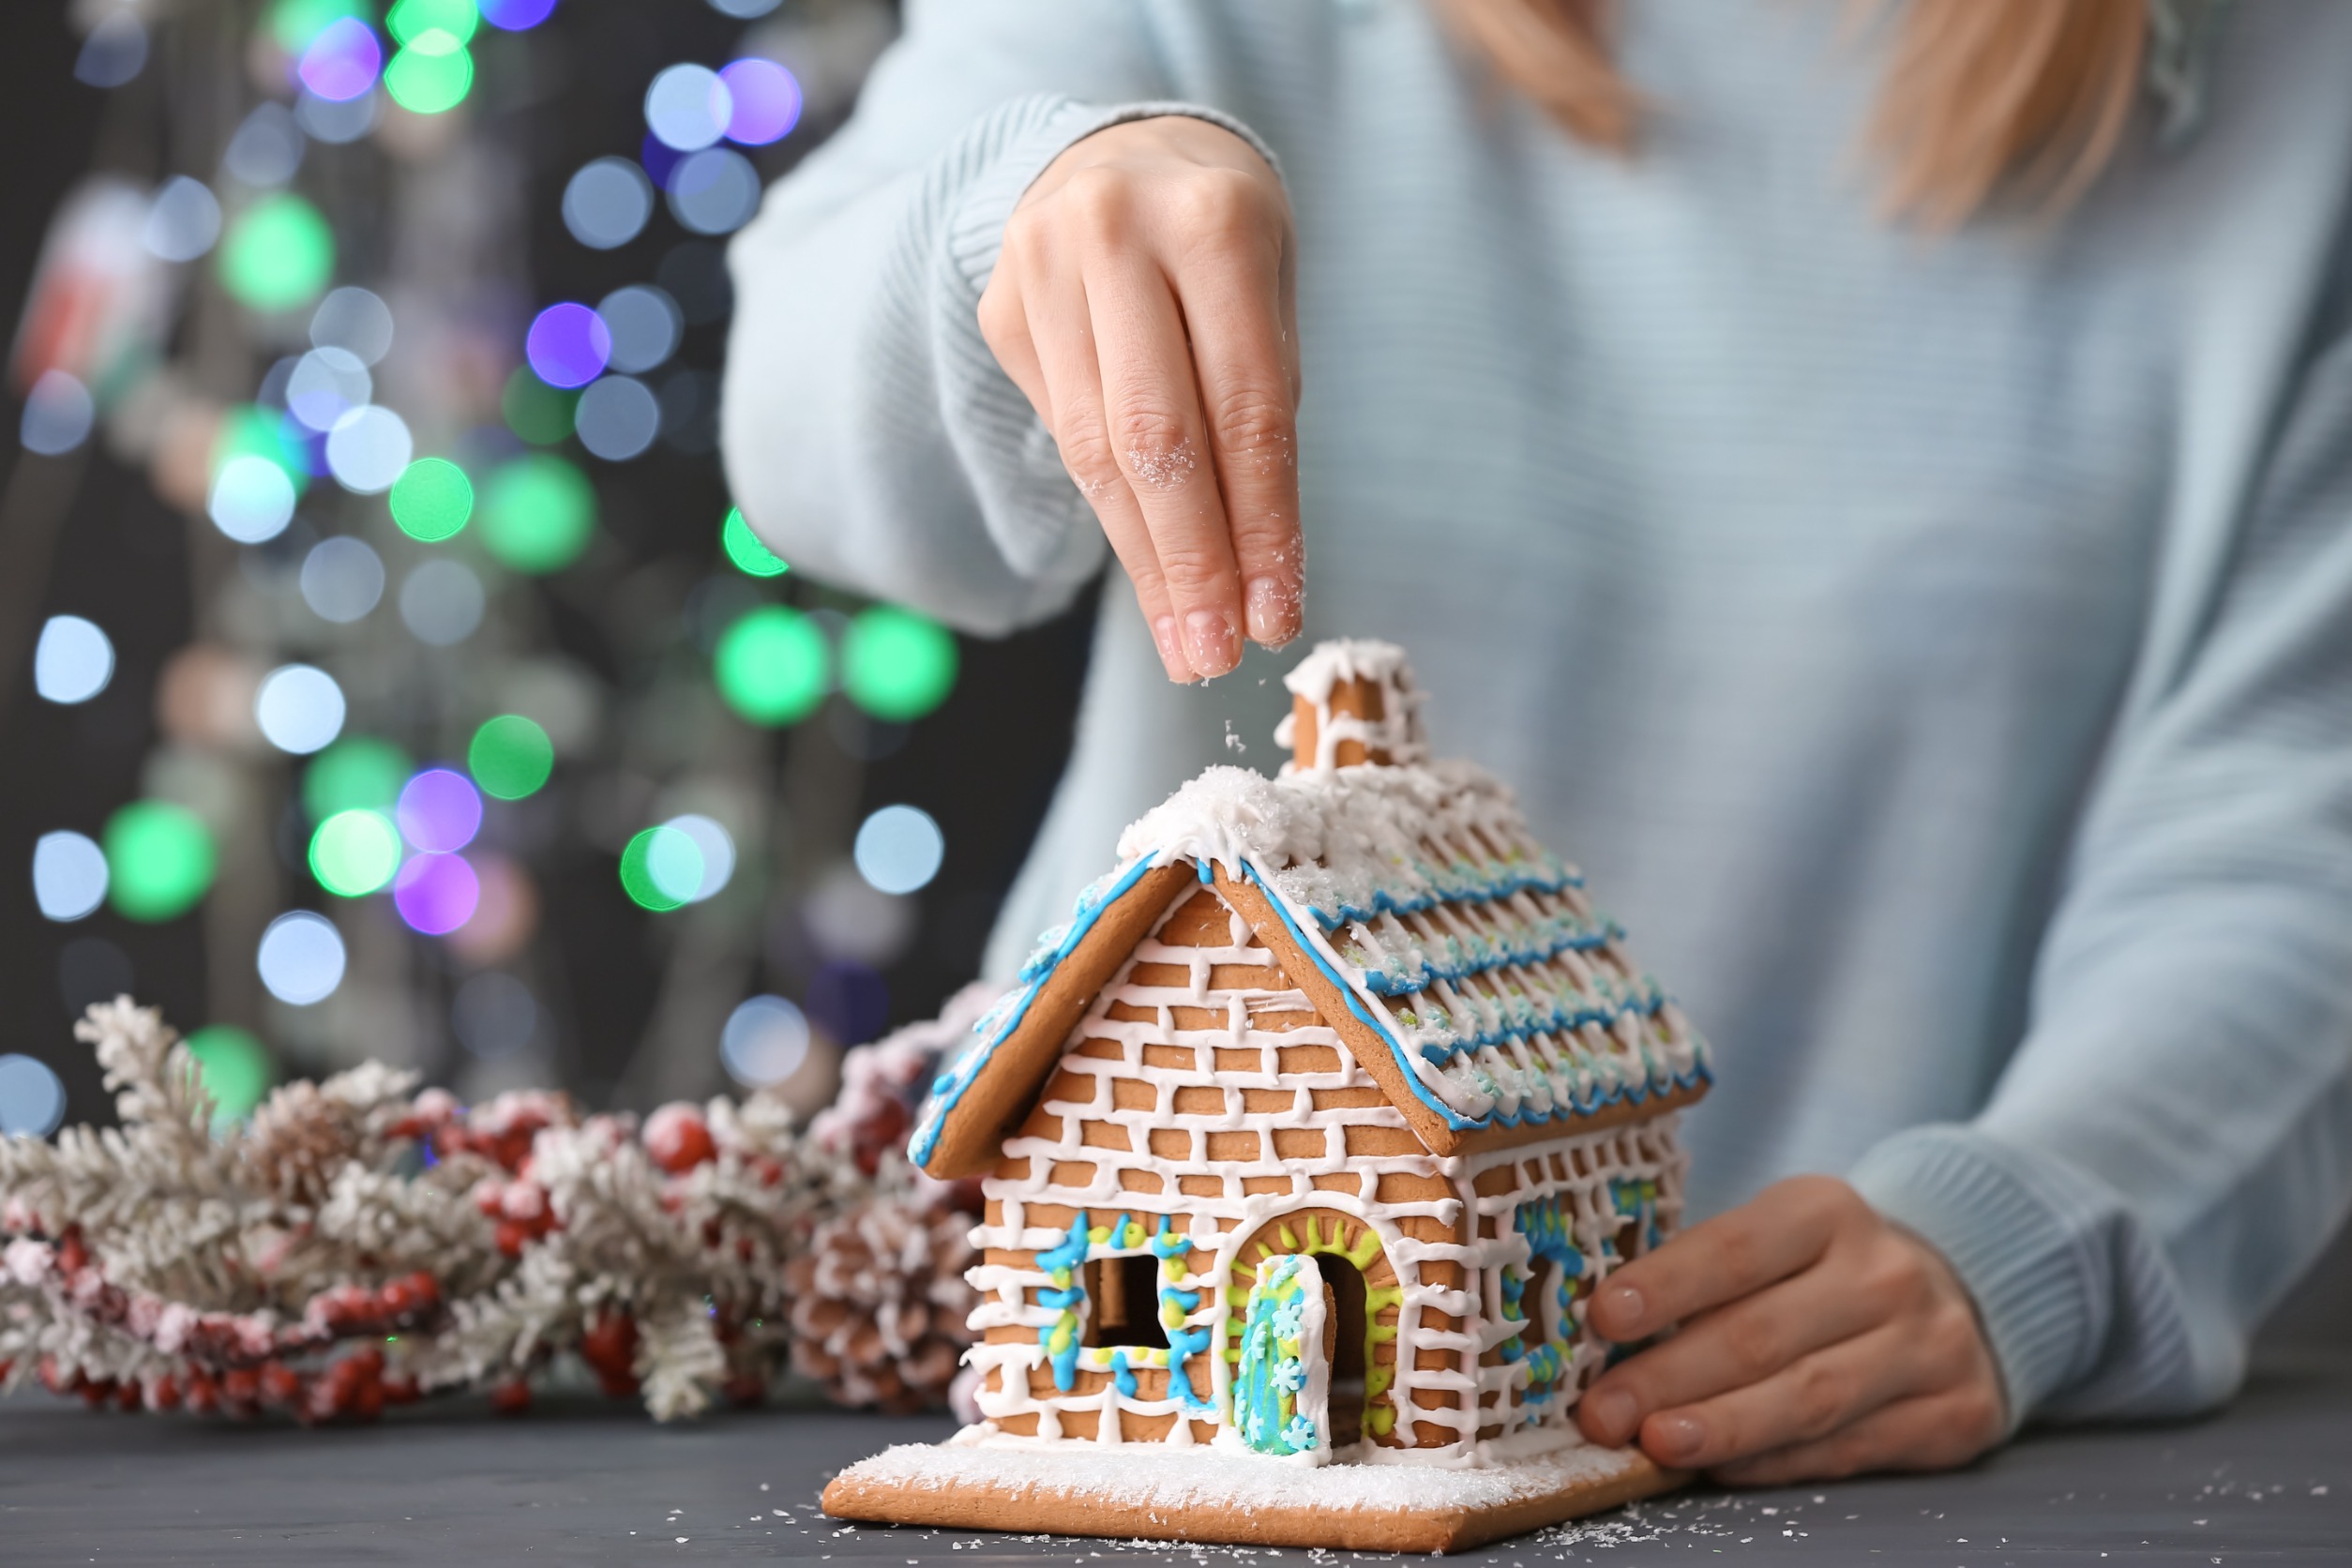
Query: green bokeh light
[773,666]
[511,757]
[235,1069]
[249,431]
[355,852]
[898,665]
[432,499]
[411,20]
[160,860]
[743,547]
[538,514]
[539,413]
[279,254]
[295,22]
[357,773]
[661,868]
[432,75]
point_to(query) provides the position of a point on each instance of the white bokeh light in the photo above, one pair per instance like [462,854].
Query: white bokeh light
[69,875]
[900,849]
[715,191]
[299,708]
[369,449]
[326,384]
[718,852]
[72,661]
[617,418]
[252,500]
[766,1041]
[442,602]
[342,579]
[645,324]
[301,958]
[32,1097]
[687,107]
[607,202]
[356,321]
[58,413]
[183,221]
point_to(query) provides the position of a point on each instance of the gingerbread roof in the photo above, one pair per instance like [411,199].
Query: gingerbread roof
[1458,957]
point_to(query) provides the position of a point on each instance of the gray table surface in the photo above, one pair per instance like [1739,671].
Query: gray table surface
[2269,1481]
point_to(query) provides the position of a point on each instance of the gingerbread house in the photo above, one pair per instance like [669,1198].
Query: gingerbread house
[1306,1139]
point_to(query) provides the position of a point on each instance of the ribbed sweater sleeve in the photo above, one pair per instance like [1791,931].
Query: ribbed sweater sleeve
[2172,1143]
[868,434]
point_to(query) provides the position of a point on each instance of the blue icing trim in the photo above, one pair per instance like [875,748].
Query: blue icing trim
[1059,1339]
[1120,1377]
[1005,1016]
[1460,885]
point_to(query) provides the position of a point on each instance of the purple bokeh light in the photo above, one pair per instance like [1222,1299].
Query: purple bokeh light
[516,15]
[436,892]
[660,159]
[569,345]
[439,811]
[767,101]
[344,61]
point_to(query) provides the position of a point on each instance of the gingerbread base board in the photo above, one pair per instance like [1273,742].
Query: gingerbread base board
[1236,1500]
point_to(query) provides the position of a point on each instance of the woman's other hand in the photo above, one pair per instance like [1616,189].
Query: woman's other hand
[1817,1340]
[1144,304]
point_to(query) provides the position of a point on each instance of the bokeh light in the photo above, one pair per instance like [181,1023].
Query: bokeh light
[253,499]
[494,1016]
[606,202]
[718,846]
[645,324]
[568,345]
[441,603]
[183,221]
[326,384]
[743,547]
[357,321]
[354,852]
[617,418]
[160,860]
[514,16]
[415,21]
[248,431]
[765,101]
[369,449]
[32,1097]
[713,191]
[72,661]
[766,1041]
[505,917]
[511,757]
[293,23]
[342,579]
[300,959]
[432,75]
[898,665]
[899,849]
[687,107]
[344,61]
[436,894]
[279,255]
[745,11]
[58,413]
[235,1068]
[661,868]
[267,147]
[439,811]
[773,666]
[115,53]
[535,411]
[358,773]
[538,513]
[299,708]
[68,875]
[324,120]
[433,500]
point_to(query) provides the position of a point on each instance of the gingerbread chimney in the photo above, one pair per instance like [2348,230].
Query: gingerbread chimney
[1353,702]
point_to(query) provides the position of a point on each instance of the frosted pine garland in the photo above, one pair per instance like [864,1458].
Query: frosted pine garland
[359,1244]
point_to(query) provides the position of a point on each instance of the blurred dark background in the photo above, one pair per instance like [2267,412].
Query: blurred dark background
[458,217]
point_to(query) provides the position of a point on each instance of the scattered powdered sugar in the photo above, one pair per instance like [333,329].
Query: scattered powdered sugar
[1164,1480]
[1162,468]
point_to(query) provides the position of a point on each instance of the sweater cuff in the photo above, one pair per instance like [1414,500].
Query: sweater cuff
[975,234]
[2016,1227]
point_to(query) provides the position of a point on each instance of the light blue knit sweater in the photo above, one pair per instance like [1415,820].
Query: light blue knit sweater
[1937,652]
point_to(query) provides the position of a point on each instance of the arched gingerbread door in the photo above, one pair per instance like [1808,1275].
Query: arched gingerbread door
[1361,1299]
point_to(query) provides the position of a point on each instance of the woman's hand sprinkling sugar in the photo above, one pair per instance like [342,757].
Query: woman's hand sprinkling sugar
[1817,1340]
[1144,303]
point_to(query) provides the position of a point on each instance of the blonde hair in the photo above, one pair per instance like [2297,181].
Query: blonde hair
[2024,96]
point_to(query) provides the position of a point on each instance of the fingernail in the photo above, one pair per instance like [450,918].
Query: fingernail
[1622,1304]
[1273,610]
[1211,636]
[1679,1436]
[1171,654]
[1614,1412]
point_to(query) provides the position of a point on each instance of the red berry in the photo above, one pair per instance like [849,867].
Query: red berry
[280,1384]
[511,1397]
[678,1138]
[511,1238]
[130,1395]
[72,1256]
[241,1386]
[163,1394]
[203,1394]
[401,1389]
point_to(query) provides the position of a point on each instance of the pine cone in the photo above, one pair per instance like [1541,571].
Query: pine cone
[880,1304]
[299,1141]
